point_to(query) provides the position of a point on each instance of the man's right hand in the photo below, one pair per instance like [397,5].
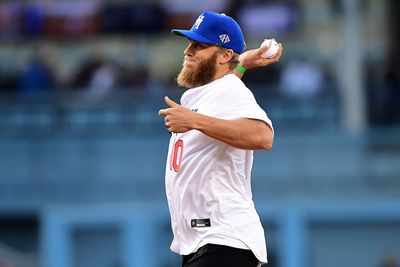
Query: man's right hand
[178,119]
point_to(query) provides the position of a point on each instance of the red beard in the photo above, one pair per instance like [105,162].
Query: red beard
[201,75]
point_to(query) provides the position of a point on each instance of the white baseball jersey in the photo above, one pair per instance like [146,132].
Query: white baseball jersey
[208,181]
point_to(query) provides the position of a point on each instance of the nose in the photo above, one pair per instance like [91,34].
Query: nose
[189,51]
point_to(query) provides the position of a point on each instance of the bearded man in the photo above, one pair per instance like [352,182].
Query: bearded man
[215,129]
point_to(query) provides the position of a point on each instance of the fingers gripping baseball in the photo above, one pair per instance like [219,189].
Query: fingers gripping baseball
[274,59]
[253,58]
[177,119]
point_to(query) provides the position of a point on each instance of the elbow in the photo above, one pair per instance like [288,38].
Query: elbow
[268,147]
[266,142]
[266,138]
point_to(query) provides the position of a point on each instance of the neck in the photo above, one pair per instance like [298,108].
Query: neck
[221,73]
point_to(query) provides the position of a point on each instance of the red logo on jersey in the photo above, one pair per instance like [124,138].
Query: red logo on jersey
[176,155]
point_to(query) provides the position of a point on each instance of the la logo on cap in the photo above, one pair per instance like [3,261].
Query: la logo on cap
[215,28]
[198,21]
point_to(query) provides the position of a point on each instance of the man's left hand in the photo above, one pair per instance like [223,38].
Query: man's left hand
[253,59]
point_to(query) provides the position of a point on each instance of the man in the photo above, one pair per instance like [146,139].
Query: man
[214,132]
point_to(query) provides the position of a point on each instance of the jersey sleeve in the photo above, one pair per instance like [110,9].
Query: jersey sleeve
[239,102]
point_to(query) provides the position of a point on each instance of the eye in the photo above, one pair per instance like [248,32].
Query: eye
[199,46]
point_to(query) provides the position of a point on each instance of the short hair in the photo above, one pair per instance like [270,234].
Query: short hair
[234,61]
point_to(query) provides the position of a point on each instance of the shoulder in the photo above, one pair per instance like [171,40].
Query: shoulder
[231,84]
[238,89]
[232,79]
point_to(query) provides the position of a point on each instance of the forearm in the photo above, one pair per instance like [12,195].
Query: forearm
[240,133]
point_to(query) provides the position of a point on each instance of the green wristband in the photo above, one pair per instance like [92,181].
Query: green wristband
[240,68]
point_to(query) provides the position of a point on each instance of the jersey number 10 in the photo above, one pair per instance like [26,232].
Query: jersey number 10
[175,159]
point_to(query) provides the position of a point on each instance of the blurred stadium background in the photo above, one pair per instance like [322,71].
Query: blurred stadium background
[82,150]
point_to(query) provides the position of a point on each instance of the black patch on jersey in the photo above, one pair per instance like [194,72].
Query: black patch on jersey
[200,223]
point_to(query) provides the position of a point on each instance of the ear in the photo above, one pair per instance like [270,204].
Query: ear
[225,56]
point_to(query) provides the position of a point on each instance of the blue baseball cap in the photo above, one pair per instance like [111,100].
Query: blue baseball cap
[215,28]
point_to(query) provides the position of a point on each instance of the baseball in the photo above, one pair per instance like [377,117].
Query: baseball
[272,50]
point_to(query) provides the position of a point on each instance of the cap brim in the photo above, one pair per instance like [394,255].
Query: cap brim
[192,36]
